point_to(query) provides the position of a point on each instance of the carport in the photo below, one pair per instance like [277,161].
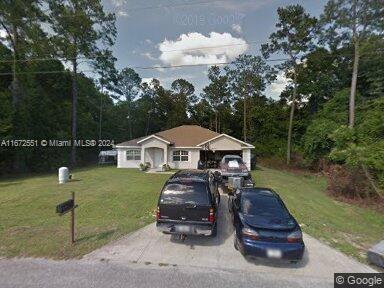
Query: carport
[212,158]
[214,149]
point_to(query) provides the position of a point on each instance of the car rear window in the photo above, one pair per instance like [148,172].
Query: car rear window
[263,205]
[185,193]
[229,159]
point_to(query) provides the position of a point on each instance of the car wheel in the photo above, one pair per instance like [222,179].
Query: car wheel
[214,231]
[229,205]
[235,244]
[238,246]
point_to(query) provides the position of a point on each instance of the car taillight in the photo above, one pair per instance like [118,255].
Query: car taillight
[158,213]
[295,237]
[211,215]
[249,233]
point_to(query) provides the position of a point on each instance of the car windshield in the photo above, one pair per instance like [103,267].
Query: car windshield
[231,159]
[185,193]
[263,205]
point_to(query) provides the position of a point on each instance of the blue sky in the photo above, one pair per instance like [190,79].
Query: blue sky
[167,33]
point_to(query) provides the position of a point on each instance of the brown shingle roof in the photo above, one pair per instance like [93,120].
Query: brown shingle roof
[182,136]
[187,135]
[132,142]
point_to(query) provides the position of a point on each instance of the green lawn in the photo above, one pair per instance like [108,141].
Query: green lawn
[348,228]
[113,202]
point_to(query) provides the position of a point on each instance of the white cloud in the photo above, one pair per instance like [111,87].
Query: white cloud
[196,48]
[237,28]
[122,13]
[118,3]
[148,55]
[118,6]
[3,34]
[244,5]
[147,80]
[148,41]
[275,89]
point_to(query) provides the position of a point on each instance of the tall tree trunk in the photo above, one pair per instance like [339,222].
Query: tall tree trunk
[352,96]
[147,128]
[149,119]
[130,129]
[74,112]
[245,118]
[216,124]
[101,112]
[129,119]
[15,82]
[15,92]
[291,115]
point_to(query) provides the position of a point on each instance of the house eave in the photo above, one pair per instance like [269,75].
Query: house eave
[153,136]
[247,145]
[125,146]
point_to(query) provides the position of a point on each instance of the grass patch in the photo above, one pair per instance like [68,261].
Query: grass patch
[112,202]
[349,228]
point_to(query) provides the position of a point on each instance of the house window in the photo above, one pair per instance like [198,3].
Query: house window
[133,154]
[180,156]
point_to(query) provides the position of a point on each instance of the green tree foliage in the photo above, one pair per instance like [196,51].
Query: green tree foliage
[352,21]
[21,21]
[247,77]
[116,105]
[371,80]
[328,135]
[294,37]
[78,27]
[183,98]
[216,93]
[317,140]
[128,86]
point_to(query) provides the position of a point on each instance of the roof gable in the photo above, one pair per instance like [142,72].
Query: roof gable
[242,143]
[154,136]
[183,136]
[187,135]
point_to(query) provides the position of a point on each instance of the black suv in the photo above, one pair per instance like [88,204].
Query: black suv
[188,204]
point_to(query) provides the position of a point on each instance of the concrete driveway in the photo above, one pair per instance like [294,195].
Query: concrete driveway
[148,246]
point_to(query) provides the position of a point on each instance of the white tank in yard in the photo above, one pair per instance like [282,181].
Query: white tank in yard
[63,175]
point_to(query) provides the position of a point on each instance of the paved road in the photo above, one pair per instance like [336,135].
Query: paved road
[35,273]
[147,258]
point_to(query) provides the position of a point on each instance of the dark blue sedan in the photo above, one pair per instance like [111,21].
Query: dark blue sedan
[263,225]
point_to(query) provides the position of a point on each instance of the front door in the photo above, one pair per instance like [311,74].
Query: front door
[158,157]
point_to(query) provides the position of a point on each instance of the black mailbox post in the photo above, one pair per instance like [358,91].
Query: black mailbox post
[65,207]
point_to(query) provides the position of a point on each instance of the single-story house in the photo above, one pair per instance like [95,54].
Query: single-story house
[181,148]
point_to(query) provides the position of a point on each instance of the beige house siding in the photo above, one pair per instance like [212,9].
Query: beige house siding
[247,157]
[146,154]
[122,161]
[157,148]
[224,143]
[193,158]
